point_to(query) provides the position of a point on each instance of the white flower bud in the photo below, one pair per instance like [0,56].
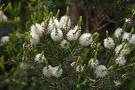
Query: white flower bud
[109,43]
[39,58]
[118,32]
[120,60]
[57,35]
[4,39]
[85,39]
[73,34]
[132,39]
[100,71]
[65,22]
[64,44]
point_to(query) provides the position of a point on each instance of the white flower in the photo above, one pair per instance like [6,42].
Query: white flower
[64,44]
[117,83]
[120,60]
[79,68]
[57,35]
[34,39]
[47,71]
[73,34]
[85,39]
[39,58]
[56,71]
[37,29]
[93,63]
[4,39]
[132,39]
[3,17]
[126,36]
[118,32]
[65,22]
[36,32]
[53,24]
[52,71]
[100,71]
[121,50]
[73,64]
[109,43]
[128,20]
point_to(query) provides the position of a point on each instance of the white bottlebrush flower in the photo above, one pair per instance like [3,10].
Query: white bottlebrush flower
[4,39]
[93,63]
[85,39]
[53,24]
[34,39]
[132,39]
[47,71]
[100,71]
[64,44]
[37,29]
[79,68]
[121,50]
[36,32]
[118,32]
[73,34]
[126,36]
[57,35]
[39,58]
[56,71]
[120,60]
[3,17]
[109,43]
[65,22]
